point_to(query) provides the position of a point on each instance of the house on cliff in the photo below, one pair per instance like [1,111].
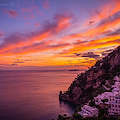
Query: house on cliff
[88,111]
[113,98]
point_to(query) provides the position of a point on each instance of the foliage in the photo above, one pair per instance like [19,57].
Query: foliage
[64,117]
[92,103]
[78,109]
[77,116]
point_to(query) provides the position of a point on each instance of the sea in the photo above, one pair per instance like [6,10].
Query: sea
[34,94]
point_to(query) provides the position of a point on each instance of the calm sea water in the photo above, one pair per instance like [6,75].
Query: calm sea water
[33,95]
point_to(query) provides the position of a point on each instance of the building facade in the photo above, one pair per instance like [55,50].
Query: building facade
[88,111]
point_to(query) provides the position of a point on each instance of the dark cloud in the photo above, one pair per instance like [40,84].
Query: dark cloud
[117,32]
[29,60]
[53,26]
[77,54]
[91,22]
[90,55]
[33,59]
[110,50]
[34,46]
[13,39]
[59,45]
[110,19]
[104,53]
[37,59]
[5,64]
[107,32]
[19,62]
[48,26]
[17,59]
[78,42]
[2,64]
[13,64]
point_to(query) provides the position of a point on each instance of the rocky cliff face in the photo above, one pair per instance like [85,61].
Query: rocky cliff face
[86,83]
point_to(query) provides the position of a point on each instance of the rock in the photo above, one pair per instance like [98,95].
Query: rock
[101,73]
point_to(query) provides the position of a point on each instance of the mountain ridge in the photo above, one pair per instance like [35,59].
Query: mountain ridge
[85,84]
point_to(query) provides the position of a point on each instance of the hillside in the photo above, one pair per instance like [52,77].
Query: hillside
[89,84]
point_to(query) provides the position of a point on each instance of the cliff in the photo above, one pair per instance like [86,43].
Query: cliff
[86,84]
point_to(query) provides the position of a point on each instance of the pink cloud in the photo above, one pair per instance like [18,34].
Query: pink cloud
[28,17]
[28,23]
[35,7]
[1,35]
[31,16]
[39,13]
[34,41]
[46,5]
[37,24]
[11,12]
[24,2]
[27,10]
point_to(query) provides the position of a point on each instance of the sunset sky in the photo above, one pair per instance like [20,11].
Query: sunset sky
[57,33]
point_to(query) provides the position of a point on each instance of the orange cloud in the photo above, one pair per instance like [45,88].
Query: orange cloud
[94,44]
[47,41]
[63,23]
[18,40]
[99,29]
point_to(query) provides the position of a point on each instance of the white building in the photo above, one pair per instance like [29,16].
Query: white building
[113,98]
[116,78]
[105,87]
[99,98]
[88,111]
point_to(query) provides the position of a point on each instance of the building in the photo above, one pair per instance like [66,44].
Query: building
[116,78]
[103,96]
[88,111]
[113,97]
[114,100]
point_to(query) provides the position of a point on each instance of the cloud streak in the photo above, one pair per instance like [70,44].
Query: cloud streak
[11,12]
[62,39]
[37,39]
[46,5]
